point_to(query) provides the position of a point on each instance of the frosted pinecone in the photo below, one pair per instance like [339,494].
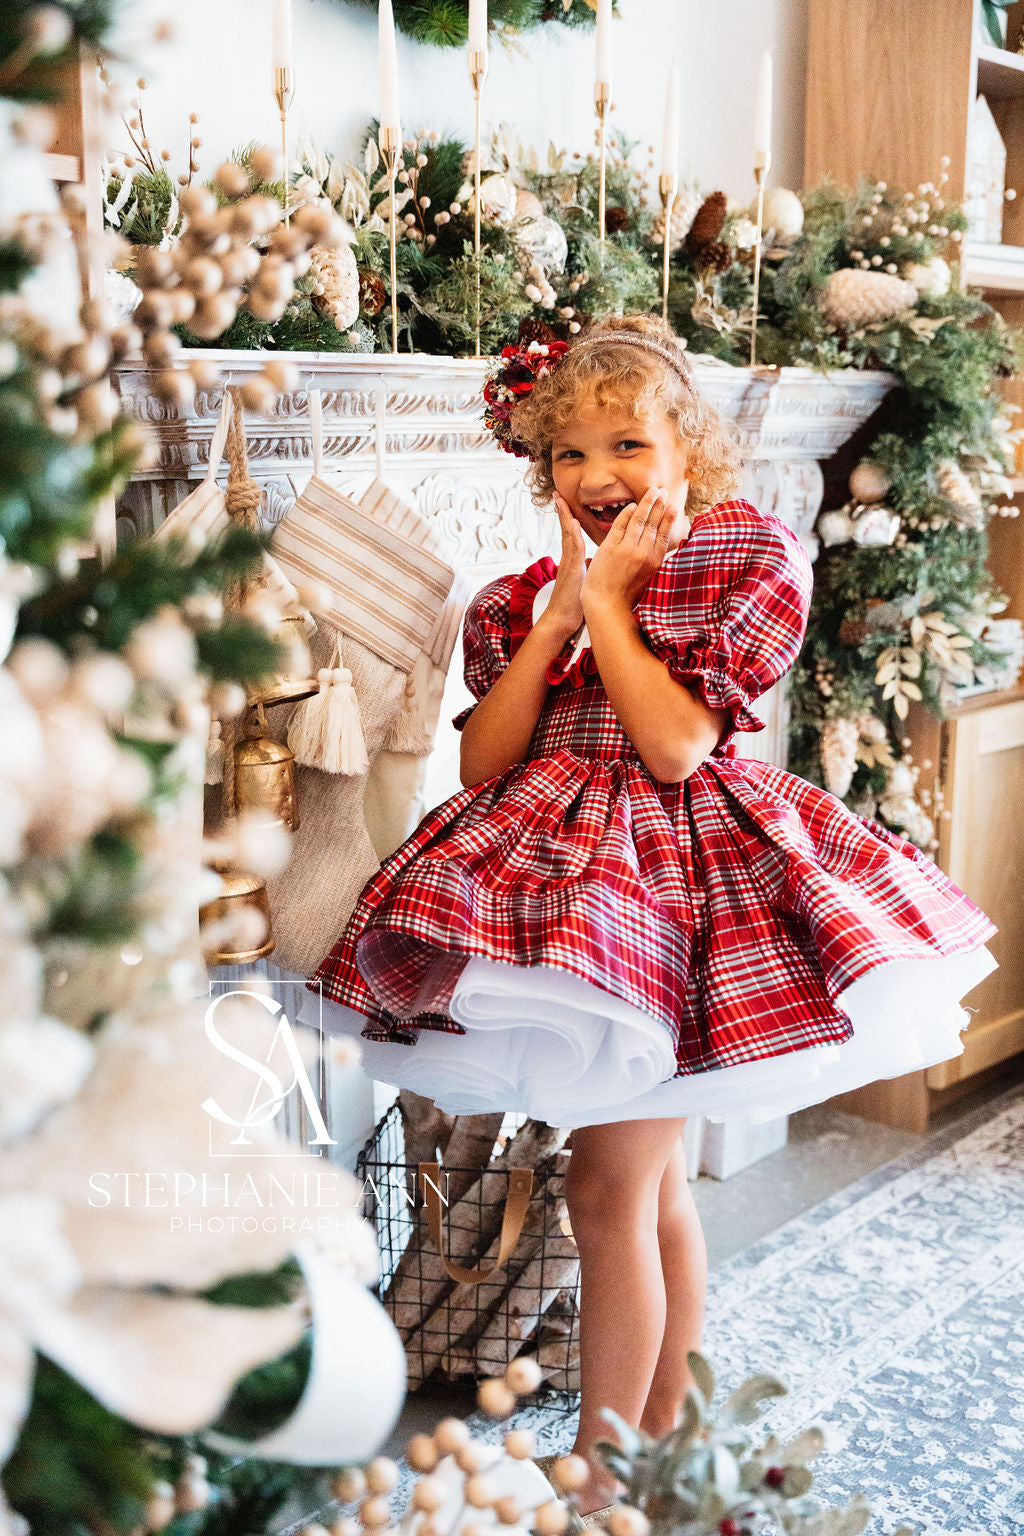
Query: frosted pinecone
[958,489]
[683,210]
[839,741]
[852,298]
[335,284]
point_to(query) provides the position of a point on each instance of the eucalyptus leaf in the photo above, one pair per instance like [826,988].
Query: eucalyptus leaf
[702,1374]
[713,1507]
[796,1482]
[804,1447]
[629,1438]
[744,1404]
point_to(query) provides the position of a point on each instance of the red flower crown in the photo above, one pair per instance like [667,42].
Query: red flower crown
[517,372]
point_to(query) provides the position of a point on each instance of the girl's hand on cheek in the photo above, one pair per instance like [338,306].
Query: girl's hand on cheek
[632,551]
[565,608]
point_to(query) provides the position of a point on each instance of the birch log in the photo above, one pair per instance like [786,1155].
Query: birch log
[469,1148]
[463,1313]
[561,1361]
[420,1281]
[555,1265]
[425,1128]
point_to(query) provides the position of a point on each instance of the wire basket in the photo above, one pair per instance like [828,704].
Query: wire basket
[466,1332]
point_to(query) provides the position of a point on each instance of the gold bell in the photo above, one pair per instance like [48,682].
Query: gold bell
[239,892]
[265,773]
[296,681]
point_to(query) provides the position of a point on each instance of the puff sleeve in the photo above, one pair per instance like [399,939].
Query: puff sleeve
[486,642]
[728,611]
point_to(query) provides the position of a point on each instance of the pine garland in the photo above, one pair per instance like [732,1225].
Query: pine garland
[445,23]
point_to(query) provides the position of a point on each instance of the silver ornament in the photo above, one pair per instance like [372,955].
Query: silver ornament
[538,238]
[528,204]
[497,200]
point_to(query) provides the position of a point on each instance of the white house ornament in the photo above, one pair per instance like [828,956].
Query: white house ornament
[875,525]
[835,527]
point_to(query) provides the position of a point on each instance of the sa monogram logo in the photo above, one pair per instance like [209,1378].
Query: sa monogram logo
[274,1091]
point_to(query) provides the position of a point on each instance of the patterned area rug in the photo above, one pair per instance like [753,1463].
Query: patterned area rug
[894,1311]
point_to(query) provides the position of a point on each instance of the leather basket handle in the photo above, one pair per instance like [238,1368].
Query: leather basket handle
[517,1200]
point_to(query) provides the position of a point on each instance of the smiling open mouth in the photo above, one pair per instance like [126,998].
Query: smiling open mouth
[607,511]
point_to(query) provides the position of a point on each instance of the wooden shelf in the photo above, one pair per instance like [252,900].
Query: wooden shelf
[996,268]
[1000,73]
[63,167]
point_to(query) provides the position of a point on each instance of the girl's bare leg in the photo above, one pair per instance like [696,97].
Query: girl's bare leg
[684,1264]
[612,1191]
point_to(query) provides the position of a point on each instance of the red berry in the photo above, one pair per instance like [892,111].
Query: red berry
[729,1527]
[775,1477]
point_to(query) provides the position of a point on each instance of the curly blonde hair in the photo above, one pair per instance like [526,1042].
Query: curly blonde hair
[637,380]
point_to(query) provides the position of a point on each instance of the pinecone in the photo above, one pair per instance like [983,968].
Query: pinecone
[333,270]
[717,257]
[852,298]
[683,210]
[615,220]
[853,632]
[373,296]
[961,493]
[537,330]
[707,223]
[839,740]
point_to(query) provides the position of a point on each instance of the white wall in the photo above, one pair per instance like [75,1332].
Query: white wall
[218,64]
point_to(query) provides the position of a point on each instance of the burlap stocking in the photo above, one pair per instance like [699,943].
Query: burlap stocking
[332,855]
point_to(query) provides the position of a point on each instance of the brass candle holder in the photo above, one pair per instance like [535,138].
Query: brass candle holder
[477,64]
[284,92]
[668,187]
[762,165]
[602,102]
[391,149]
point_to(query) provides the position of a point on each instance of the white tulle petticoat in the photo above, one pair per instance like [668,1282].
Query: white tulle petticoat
[546,1042]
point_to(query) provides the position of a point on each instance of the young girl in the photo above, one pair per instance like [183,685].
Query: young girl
[619,921]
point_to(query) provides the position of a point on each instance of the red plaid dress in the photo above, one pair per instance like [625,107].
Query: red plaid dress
[718,931]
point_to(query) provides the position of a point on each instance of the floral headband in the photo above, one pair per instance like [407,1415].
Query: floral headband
[521,367]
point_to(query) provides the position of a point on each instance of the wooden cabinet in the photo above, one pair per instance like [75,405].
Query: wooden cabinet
[974,761]
[891,85]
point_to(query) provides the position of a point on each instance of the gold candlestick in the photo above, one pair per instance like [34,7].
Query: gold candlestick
[390,149]
[477,62]
[284,91]
[668,187]
[602,101]
[762,165]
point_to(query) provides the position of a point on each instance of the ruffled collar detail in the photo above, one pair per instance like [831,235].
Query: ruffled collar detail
[522,601]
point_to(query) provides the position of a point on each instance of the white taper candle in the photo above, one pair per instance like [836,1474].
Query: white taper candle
[282,34]
[603,47]
[763,109]
[387,58]
[670,141]
[477,26]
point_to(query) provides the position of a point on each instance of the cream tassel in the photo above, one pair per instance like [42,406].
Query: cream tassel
[214,773]
[409,728]
[326,731]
